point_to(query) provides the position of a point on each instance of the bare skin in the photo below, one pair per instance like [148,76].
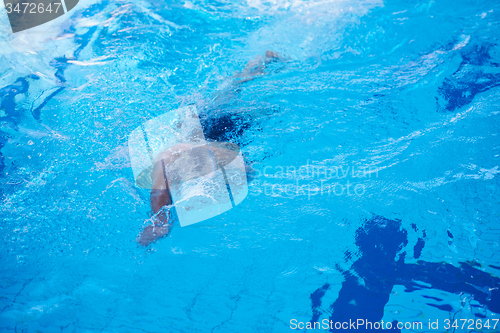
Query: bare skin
[160,194]
[160,198]
[256,66]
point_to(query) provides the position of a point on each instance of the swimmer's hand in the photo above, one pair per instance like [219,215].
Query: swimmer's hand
[152,233]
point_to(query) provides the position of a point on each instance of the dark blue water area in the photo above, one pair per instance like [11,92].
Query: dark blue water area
[472,77]
[368,284]
[12,115]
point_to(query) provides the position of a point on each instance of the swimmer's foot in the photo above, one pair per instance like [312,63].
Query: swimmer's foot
[152,233]
[256,66]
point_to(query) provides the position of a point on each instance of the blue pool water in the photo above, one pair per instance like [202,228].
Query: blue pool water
[374,146]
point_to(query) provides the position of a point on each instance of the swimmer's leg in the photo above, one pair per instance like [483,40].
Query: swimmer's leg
[221,127]
[256,66]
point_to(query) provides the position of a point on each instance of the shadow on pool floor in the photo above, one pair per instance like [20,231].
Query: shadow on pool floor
[379,241]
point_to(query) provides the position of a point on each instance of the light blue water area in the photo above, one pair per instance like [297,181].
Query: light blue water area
[375,152]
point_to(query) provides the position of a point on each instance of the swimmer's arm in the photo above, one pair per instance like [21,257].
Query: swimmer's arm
[159,198]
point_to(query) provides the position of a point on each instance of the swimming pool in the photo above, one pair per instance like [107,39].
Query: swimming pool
[374,148]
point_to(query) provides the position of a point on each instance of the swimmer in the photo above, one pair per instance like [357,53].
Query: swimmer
[170,159]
